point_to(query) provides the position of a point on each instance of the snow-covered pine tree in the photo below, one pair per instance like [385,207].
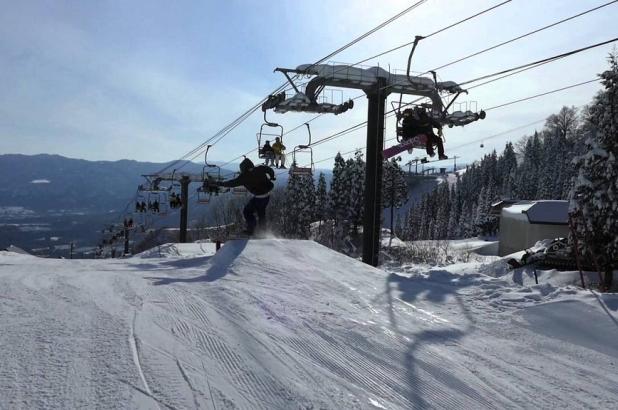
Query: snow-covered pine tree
[528,171]
[355,184]
[338,197]
[443,208]
[594,196]
[322,203]
[394,189]
[452,228]
[299,206]
[507,169]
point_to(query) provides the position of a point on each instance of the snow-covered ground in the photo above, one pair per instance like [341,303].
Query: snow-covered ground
[280,324]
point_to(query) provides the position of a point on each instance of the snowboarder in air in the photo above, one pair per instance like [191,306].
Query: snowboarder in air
[268,154]
[258,181]
[278,149]
[415,122]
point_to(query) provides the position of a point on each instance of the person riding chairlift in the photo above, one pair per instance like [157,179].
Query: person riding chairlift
[278,149]
[417,122]
[268,153]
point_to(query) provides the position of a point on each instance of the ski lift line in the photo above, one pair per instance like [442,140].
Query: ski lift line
[225,130]
[524,35]
[388,51]
[517,69]
[543,94]
[371,32]
[391,113]
[538,63]
[434,33]
[438,31]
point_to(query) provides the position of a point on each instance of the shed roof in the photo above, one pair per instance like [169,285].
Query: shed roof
[540,212]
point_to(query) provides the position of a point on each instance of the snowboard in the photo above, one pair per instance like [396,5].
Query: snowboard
[417,142]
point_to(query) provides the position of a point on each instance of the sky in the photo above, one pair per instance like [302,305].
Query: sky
[150,80]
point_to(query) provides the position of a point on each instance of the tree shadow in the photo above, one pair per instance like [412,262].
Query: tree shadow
[218,269]
[436,287]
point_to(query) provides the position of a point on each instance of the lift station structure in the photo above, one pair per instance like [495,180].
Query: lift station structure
[377,84]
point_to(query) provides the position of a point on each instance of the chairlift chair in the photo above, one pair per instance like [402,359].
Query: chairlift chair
[203,195]
[262,135]
[162,200]
[305,150]
[205,192]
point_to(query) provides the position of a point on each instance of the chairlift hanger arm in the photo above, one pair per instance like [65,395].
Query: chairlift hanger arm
[416,40]
[206,158]
[287,76]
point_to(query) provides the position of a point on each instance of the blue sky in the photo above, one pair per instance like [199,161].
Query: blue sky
[149,80]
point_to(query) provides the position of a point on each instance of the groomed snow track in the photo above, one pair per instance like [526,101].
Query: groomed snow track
[279,324]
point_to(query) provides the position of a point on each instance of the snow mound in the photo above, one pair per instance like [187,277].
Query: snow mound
[187,250]
[558,320]
[15,249]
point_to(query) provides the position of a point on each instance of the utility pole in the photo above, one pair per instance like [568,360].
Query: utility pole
[373,172]
[71,254]
[184,211]
[126,240]
[409,164]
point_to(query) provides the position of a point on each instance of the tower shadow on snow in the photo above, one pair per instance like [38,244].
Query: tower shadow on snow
[435,291]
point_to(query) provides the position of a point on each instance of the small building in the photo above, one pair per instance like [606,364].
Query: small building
[523,223]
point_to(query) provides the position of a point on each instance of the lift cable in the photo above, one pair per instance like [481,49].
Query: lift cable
[537,63]
[434,33]
[542,94]
[524,35]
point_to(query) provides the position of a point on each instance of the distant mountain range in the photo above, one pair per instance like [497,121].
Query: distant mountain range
[50,200]
[52,182]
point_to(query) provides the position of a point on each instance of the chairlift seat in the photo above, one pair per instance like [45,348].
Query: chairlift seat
[203,197]
[301,171]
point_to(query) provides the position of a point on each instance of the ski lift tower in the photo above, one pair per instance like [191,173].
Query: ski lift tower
[184,179]
[377,84]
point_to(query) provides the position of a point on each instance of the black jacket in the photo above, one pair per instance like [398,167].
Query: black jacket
[414,126]
[257,180]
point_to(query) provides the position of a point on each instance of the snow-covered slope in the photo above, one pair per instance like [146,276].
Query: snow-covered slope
[280,324]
